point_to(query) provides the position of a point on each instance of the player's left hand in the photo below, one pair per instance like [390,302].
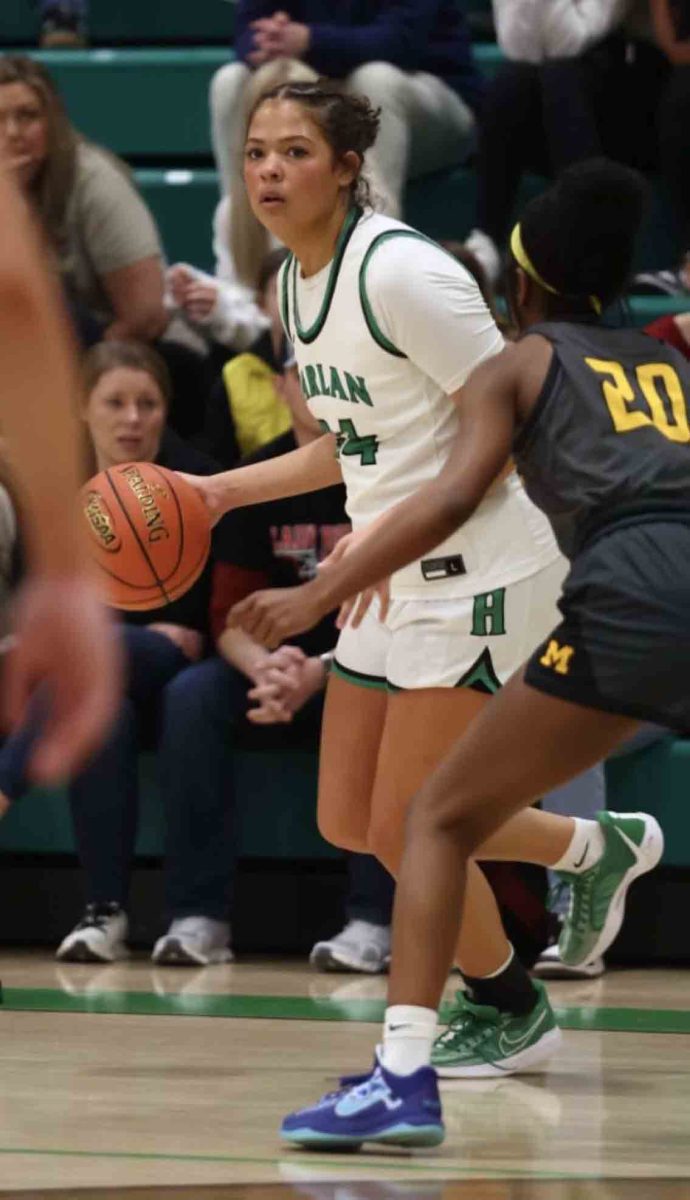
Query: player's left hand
[276,614]
[65,646]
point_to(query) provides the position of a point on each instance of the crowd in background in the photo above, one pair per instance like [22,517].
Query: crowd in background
[192,370]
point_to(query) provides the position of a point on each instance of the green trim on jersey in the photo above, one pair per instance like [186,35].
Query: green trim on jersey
[481,676]
[372,324]
[306,336]
[359,678]
[284,297]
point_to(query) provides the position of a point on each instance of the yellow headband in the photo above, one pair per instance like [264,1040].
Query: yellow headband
[523,260]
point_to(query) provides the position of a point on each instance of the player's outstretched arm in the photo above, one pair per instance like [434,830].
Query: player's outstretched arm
[305,470]
[65,642]
[413,527]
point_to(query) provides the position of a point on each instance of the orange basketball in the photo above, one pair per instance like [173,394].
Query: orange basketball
[149,533]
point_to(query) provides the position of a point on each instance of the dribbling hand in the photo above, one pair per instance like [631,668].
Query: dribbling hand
[205,486]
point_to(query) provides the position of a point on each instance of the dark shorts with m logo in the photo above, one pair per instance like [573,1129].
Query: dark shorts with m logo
[623,645]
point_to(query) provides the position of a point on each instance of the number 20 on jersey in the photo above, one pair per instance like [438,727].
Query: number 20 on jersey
[666,412]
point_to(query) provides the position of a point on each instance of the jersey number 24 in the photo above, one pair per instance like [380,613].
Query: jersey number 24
[667,412]
[348,441]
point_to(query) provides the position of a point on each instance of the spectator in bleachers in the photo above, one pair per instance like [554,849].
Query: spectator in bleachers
[227,313]
[582,79]
[101,235]
[413,59]
[671,20]
[63,23]
[127,394]
[246,409]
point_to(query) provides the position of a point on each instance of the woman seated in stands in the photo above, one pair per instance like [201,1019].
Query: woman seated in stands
[102,237]
[101,233]
[126,401]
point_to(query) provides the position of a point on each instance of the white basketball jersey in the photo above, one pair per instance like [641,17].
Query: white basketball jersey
[382,335]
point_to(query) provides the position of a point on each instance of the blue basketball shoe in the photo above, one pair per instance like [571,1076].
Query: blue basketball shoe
[395,1110]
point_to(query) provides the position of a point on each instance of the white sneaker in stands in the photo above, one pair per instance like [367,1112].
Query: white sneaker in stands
[99,936]
[360,946]
[194,942]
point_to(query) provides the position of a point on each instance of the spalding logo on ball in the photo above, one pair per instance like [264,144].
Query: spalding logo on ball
[149,533]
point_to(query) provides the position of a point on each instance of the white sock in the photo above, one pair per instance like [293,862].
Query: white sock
[585,849]
[408,1035]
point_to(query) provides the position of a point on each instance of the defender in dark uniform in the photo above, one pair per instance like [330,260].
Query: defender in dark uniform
[597,422]
[604,452]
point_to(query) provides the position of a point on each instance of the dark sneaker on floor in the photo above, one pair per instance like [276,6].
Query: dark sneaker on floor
[194,942]
[391,1110]
[634,844]
[100,936]
[481,1042]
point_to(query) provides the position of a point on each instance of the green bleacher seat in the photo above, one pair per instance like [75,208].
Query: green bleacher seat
[442,205]
[645,309]
[276,805]
[183,203]
[130,21]
[150,104]
[656,780]
[488,56]
[275,814]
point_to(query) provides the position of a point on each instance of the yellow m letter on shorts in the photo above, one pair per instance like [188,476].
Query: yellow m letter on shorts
[557,657]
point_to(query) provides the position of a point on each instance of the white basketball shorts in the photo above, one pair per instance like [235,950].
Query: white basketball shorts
[476,642]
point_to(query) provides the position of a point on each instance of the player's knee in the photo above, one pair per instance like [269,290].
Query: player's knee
[451,816]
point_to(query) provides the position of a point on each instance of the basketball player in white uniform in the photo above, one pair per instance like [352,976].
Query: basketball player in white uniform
[386,328]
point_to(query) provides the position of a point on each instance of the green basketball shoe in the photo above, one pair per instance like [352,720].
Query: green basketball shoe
[481,1042]
[634,845]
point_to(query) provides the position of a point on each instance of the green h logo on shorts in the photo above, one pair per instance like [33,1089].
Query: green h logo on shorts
[488,614]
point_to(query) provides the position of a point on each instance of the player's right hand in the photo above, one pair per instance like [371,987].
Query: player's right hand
[66,646]
[207,487]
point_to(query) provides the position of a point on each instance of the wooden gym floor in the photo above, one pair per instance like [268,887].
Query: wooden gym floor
[171,1083]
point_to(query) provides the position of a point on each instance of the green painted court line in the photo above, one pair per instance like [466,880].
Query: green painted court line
[349,1163]
[303,1008]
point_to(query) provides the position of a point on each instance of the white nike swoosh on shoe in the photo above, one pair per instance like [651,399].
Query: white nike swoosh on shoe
[352,1105]
[510,1045]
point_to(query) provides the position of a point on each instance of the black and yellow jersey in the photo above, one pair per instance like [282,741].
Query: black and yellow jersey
[609,436]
